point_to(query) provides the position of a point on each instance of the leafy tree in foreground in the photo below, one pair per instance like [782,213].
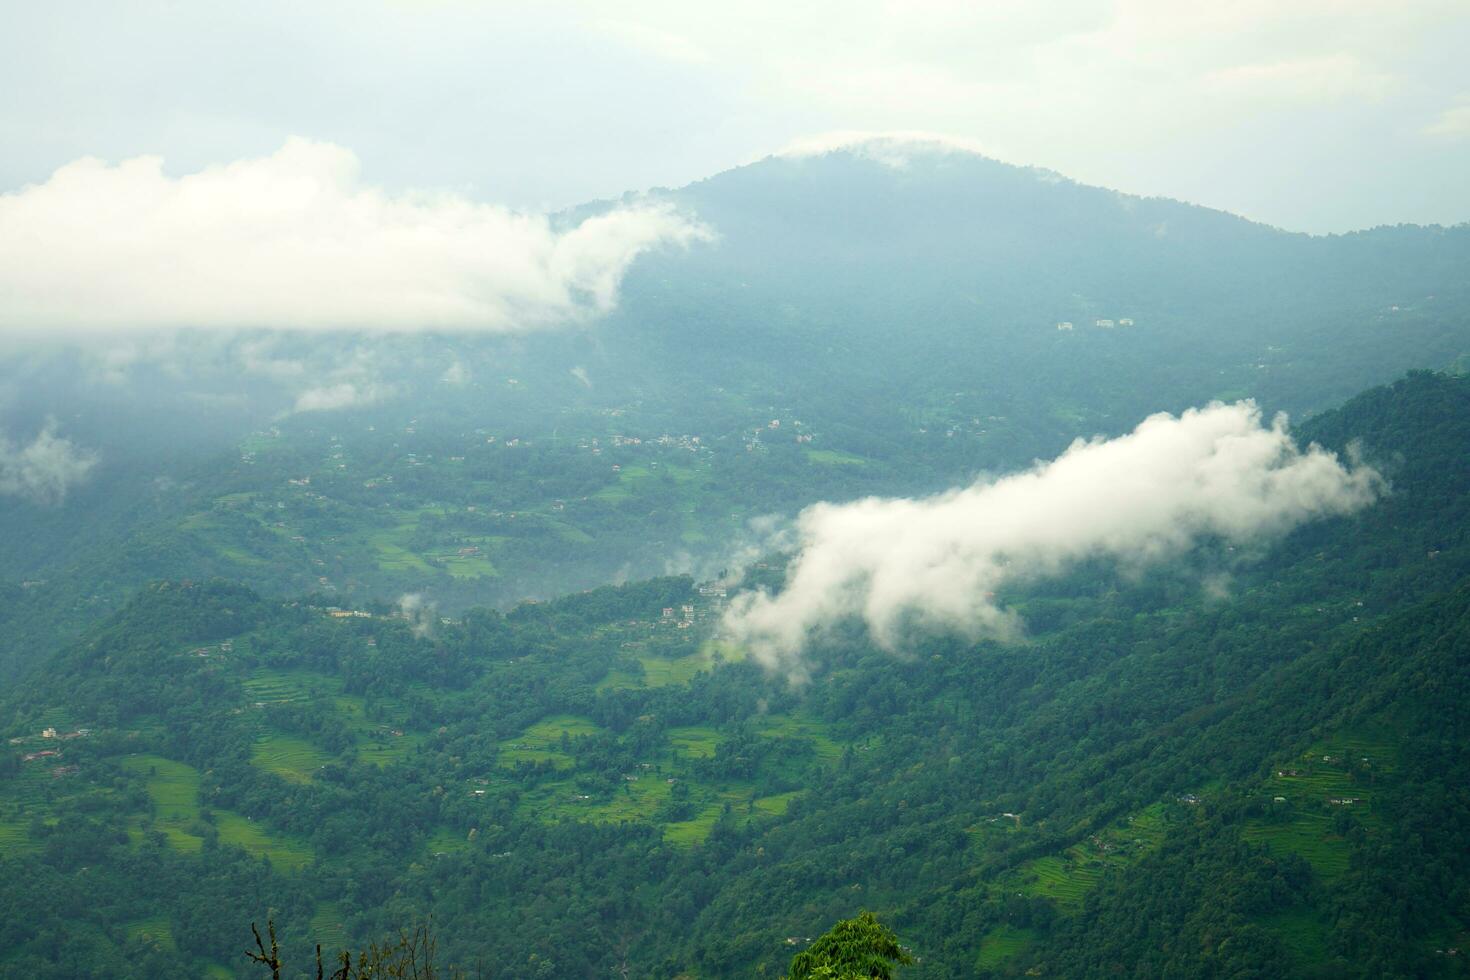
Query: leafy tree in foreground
[852,949]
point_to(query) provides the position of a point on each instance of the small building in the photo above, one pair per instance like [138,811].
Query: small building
[1105,324]
[1125,321]
[1064,325]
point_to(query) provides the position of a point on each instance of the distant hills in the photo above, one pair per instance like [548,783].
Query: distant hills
[898,324]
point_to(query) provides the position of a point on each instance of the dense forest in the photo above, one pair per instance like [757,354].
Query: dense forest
[1156,780]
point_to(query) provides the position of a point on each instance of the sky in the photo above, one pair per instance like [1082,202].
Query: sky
[1312,115]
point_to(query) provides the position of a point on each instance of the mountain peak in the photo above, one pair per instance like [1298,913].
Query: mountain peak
[892,148]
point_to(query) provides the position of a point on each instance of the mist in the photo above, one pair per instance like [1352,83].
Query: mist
[44,469]
[934,563]
[296,240]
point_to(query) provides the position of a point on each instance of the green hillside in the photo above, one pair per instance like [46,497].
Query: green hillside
[1155,782]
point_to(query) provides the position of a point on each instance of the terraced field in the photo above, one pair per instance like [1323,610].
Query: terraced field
[1001,943]
[1066,878]
[15,839]
[284,853]
[173,788]
[154,930]
[293,759]
[446,841]
[329,928]
[267,686]
[541,742]
[799,726]
[663,671]
[1338,775]
[694,741]
[777,805]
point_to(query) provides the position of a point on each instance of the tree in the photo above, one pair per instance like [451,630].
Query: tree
[853,949]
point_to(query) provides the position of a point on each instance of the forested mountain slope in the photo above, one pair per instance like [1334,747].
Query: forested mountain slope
[1158,779]
[852,327]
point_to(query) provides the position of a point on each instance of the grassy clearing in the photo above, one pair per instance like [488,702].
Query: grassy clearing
[296,759]
[802,727]
[446,841]
[1067,877]
[469,566]
[1002,943]
[834,457]
[694,741]
[285,853]
[775,806]
[690,832]
[657,672]
[154,930]
[662,671]
[387,750]
[293,759]
[173,788]
[633,474]
[376,742]
[542,741]
[1307,834]
[390,546]
[393,557]
[637,800]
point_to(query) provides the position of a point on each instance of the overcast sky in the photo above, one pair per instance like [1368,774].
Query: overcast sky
[1316,115]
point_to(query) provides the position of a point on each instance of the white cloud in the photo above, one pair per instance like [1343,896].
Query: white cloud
[659,43]
[345,394]
[935,562]
[1453,123]
[44,470]
[456,375]
[419,611]
[1308,81]
[295,240]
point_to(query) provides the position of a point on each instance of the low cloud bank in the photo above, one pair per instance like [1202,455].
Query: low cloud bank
[935,562]
[44,470]
[294,240]
[420,612]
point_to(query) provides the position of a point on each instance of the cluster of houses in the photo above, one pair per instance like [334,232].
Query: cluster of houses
[686,617]
[51,733]
[688,443]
